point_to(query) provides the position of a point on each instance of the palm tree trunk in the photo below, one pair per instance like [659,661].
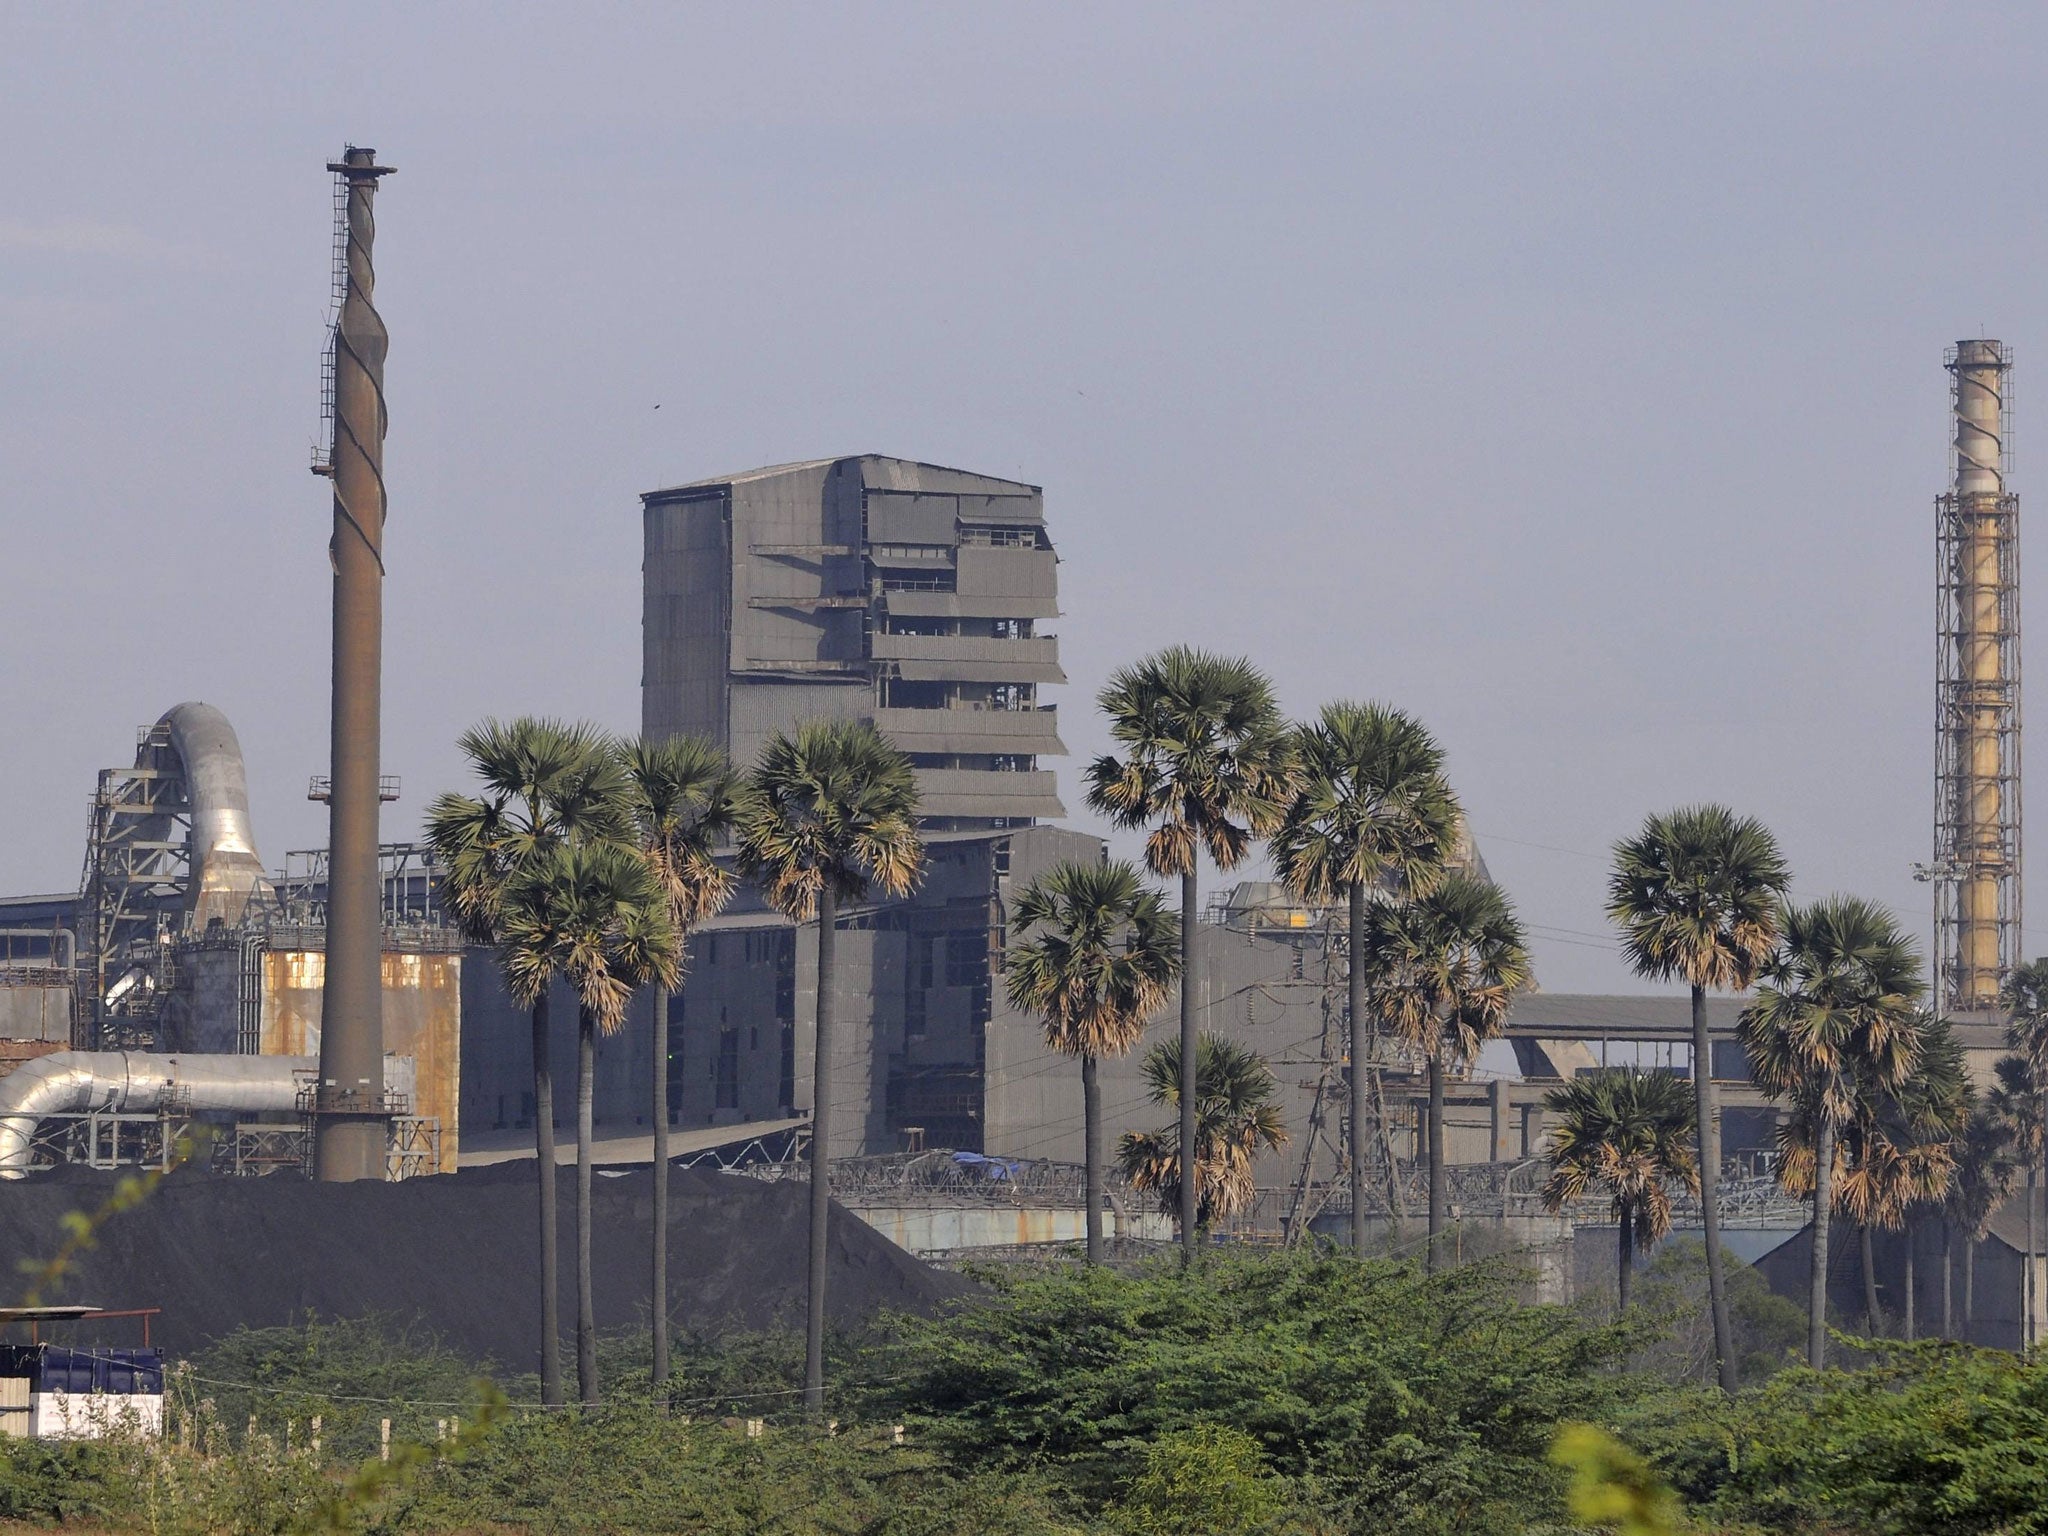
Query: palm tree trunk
[659,1286]
[1948,1279]
[1626,1245]
[1190,1203]
[1817,1286]
[1867,1260]
[1909,1311]
[1355,938]
[1397,1202]
[2027,1274]
[1708,1133]
[586,1307]
[1437,1201]
[821,1156]
[1091,1154]
[1969,1289]
[2032,1288]
[550,1255]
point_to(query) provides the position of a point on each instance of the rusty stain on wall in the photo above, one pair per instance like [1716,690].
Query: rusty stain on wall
[422,1019]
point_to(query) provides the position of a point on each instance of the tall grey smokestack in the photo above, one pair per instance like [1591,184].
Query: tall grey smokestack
[351,1125]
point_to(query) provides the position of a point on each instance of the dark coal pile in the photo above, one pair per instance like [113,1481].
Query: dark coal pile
[458,1253]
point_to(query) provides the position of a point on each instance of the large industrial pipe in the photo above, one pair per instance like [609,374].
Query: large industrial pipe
[226,875]
[350,1128]
[75,1082]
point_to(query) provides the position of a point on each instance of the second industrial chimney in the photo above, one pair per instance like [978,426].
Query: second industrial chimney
[1976,868]
[351,1115]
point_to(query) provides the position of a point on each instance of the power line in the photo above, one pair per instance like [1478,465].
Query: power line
[1523,842]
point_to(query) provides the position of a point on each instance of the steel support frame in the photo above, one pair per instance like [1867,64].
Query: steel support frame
[137,864]
[1976,871]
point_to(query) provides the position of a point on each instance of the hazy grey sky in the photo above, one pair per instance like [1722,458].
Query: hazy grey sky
[1570,375]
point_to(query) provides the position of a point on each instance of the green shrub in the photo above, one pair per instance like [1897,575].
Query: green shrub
[629,1471]
[45,1480]
[1391,1399]
[1209,1478]
[1931,1439]
[1671,1298]
[351,1375]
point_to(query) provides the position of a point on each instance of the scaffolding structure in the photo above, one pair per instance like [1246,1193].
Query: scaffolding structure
[137,864]
[1976,868]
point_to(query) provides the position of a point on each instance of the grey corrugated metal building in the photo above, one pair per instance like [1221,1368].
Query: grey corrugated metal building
[866,587]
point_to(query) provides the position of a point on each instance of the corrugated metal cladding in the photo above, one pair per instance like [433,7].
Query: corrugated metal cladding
[35,1006]
[902,517]
[866,587]
[422,1020]
[951,605]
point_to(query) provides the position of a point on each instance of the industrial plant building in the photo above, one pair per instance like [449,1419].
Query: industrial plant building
[870,588]
[865,588]
[920,599]
[181,952]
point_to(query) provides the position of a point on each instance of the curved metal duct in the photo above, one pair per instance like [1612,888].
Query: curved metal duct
[226,874]
[73,1082]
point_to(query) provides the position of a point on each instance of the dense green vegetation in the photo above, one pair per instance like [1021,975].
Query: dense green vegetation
[1270,1393]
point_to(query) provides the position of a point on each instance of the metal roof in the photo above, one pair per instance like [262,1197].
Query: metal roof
[1581,1015]
[60,1314]
[713,481]
[491,1147]
[799,466]
[2009,1221]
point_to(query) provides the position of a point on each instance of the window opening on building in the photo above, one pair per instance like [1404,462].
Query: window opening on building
[726,1093]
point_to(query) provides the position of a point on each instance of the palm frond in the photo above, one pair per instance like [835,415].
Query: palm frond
[1206,760]
[1372,807]
[1696,896]
[1443,967]
[833,805]
[1628,1133]
[1235,1119]
[1094,954]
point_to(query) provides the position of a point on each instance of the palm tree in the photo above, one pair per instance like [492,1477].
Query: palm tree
[2021,1101]
[1837,1017]
[2026,1001]
[1095,955]
[1205,762]
[1899,1152]
[1627,1133]
[1695,894]
[1987,1167]
[595,914]
[2025,996]
[682,803]
[1442,968]
[1235,1119]
[822,816]
[545,784]
[1373,810]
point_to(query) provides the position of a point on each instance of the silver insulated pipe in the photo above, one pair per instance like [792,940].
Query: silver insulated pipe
[137,1082]
[226,873]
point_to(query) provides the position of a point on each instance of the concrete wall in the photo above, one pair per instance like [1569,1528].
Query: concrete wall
[922,1229]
